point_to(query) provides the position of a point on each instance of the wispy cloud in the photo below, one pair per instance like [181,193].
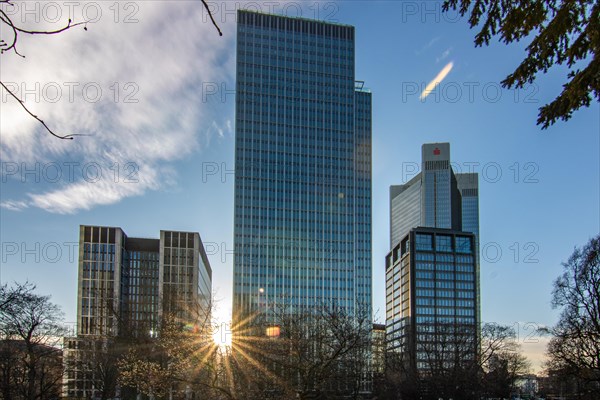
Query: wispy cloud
[14,205]
[428,45]
[135,88]
[437,80]
[444,55]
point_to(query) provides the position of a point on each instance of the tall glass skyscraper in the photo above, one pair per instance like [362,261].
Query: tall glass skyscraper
[432,270]
[436,197]
[303,167]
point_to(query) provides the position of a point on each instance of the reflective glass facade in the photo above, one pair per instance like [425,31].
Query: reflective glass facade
[432,272]
[405,208]
[183,286]
[436,197]
[122,279]
[431,297]
[302,229]
[142,292]
[103,280]
[468,186]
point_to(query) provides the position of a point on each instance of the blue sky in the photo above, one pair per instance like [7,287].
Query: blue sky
[173,148]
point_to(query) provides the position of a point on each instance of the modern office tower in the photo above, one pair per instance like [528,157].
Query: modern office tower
[185,276]
[436,197]
[122,280]
[432,271]
[125,286]
[302,230]
[432,307]
[468,187]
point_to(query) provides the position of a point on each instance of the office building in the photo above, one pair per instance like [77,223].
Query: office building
[436,197]
[432,270]
[125,286]
[122,279]
[302,230]
[432,307]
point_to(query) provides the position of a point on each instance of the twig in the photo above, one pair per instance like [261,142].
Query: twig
[5,46]
[69,137]
[212,18]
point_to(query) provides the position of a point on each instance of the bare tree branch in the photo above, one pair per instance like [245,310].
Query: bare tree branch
[22,103]
[12,45]
[211,17]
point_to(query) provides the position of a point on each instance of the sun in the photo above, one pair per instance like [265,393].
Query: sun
[222,337]
[222,333]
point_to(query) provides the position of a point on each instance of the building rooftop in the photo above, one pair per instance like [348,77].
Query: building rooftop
[297,18]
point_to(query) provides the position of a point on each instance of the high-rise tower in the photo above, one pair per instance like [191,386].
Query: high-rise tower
[437,197]
[432,270]
[303,167]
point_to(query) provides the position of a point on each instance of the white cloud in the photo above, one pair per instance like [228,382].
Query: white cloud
[444,55]
[428,45]
[135,88]
[14,205]
[90,192]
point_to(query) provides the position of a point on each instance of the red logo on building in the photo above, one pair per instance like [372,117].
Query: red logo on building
[436,152]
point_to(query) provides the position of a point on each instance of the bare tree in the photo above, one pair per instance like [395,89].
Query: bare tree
[449,353]
[455,361]
[31,328]
[501,360]
[10,295]
[95,361]
[574,350]
[182,357]
[323,352]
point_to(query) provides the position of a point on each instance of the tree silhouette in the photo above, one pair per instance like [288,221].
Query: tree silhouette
[574,350]
[562,32]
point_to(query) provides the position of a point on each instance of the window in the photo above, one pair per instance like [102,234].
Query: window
[443,243]
[463,245]
[424,242]
[424,265]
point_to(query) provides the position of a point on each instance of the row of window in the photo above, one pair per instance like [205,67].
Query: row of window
[443,284]
[304,51]
[443,243]
[255,127]
[461,294]
[345,143]
[302,29]
[430,301]
[429,323]
[444,275]
[466,312]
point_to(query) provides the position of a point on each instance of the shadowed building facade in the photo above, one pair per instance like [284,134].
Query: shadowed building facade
[125,286]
